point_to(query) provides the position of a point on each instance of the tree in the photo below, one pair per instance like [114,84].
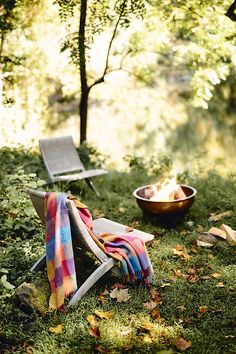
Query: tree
[199,43]
[94,17]
[14,14]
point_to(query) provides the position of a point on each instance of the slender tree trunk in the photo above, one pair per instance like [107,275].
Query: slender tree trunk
[2,37]
[83,108]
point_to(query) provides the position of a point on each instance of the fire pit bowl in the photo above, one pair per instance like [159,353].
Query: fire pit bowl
[164,212]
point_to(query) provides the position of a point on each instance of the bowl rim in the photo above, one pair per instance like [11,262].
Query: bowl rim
[163,202]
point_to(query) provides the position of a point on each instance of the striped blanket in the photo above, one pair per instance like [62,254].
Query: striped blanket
[130,251]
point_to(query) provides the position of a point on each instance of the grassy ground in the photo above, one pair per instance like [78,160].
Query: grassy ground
[194,288]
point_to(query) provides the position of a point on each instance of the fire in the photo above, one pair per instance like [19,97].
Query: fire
[167,190]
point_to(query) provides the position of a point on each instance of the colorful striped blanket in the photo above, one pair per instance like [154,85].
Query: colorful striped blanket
[130,251]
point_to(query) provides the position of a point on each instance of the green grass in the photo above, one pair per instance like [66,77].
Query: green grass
[192,307]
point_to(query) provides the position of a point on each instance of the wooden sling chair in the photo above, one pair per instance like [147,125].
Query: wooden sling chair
[63,163]
[86,243]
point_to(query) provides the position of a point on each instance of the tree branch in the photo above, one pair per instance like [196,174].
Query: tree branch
[230,12]
[101,79]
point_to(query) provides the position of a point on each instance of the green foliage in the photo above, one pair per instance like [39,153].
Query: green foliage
[197,40]
[18,216]
[100,16]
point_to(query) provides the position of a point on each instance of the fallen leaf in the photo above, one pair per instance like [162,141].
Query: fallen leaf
[135,224]
[182,344]
[192,278]
[122,210]
[220,285]
[178,273]
[105,292]
[219,216]
[216,275]
[91,320]
[191,270]
[148,326]
[100,349]
[182,254]
[155,314]
[121,295]
[118,286]
[181,307]
[101,299]
[150,305]
[155,296]
[202,309]
[57,329]
[179,248]
[94,332]
[199,228]
[104,314]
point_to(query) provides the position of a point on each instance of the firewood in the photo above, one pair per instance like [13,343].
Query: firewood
[218,232]
[179,194]
[230,234]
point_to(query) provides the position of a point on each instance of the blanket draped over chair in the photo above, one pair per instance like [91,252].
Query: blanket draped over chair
[130,251]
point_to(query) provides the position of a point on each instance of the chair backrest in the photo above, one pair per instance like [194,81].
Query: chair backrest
[60,155]
[80,234]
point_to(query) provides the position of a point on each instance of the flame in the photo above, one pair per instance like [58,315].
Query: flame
[167,190]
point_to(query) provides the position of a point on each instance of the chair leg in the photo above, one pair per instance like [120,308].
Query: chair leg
[96,275]
[39,264]
[91,185]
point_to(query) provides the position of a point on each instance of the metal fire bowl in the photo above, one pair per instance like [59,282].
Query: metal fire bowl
[170,212]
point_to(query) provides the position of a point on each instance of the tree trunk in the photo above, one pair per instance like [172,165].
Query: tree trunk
[83,108]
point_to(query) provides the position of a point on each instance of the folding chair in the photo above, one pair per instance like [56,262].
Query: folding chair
[86,243]
[63,163]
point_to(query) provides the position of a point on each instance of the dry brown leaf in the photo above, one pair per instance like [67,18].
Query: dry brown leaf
[122,210]
[129,229]
[179,248]
[100,349]
[94,332]
[150,305]
[57,329]
[182,344]
[104,314]
[155,296]
[220,285]
[105,292]
[178,273]
[148,326]
[182,307]
[91,320]
[219,216]
[182,254]
[192,278]
[216,275]
[192,270]
[202,309]
[101,298]
[155,314]
[199,228]
[121,295]
[118,286]
[135,224]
